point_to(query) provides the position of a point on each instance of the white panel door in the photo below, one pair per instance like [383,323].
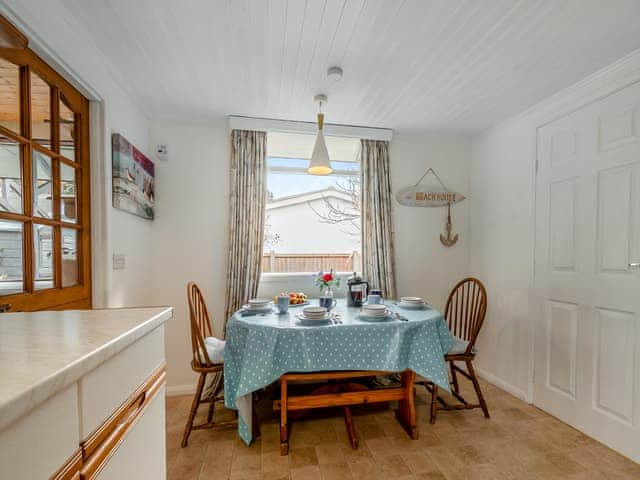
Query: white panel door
[587,335]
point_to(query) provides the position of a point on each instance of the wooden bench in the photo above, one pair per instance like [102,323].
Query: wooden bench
[340,393]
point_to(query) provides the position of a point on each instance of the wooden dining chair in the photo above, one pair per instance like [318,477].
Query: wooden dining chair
[464,314]
[200,323]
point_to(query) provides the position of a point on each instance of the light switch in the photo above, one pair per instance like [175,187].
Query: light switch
[119,261]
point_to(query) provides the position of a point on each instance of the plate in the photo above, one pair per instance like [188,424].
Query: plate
[293,305]
[411,300]
[248,308]
[304,319]
[423,306]
[375,318]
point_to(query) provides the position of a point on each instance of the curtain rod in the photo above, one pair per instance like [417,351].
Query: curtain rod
[237,122]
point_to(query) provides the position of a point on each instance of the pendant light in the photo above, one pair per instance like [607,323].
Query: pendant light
[320,163]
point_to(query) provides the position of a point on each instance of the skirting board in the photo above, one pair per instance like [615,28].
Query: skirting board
[506,386]
[177,390]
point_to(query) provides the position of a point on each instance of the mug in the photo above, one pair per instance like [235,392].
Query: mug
[283,304]
[374,299]
[328,302]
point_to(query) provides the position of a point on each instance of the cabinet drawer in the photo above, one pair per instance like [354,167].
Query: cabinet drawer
[37,445]
[106,388]
[141,455]
[120,435]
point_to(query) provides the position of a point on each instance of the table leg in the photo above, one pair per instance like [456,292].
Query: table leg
[284,436]
[255,423]
[406,413]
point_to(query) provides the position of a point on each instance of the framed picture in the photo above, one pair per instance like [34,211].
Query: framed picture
[133,179]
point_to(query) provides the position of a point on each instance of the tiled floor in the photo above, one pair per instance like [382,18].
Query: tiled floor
[518,442]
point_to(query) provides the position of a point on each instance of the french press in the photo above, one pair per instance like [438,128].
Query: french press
[357,290]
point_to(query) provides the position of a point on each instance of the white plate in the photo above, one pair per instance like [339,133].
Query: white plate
[411,300]
[374,309]
[301,317]
[265,309]
[375,318]
[258,301]
[418,306]
[384,313]
[314,310]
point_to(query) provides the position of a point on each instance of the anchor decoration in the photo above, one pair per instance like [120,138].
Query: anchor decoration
[448,241]
[418,195]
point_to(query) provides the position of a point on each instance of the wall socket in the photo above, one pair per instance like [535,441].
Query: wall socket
[119,261]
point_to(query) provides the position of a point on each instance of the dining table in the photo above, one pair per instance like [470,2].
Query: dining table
[263,347]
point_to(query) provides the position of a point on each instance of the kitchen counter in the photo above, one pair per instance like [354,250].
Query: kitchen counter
[42,353]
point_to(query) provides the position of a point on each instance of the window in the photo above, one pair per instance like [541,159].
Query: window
[44,186]
[312,223]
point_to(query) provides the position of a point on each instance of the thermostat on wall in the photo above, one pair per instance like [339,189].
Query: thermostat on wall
[162,152]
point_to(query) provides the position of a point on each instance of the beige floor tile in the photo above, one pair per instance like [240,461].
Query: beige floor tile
[335,471]
[311,472]
[274,462]
[393,466]
[302,457]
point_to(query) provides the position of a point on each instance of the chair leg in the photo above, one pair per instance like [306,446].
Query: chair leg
[454,378]
[194,408]
[476,385]
[212,406]
[434,403]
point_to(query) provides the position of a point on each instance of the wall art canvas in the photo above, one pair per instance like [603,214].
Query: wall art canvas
[133,179]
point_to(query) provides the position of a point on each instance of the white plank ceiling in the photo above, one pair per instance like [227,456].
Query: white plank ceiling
[419,64]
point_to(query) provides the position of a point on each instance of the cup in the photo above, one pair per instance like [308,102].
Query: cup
[283,304]
[374,298]
[327,302]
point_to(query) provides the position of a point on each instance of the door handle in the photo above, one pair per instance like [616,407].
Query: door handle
[634,265]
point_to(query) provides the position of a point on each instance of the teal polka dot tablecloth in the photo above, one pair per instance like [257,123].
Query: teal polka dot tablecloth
[260,348]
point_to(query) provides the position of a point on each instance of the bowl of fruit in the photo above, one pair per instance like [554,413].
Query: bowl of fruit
[295,298]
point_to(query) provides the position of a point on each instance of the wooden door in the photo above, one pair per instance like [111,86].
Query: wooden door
[45,250]
[587,336]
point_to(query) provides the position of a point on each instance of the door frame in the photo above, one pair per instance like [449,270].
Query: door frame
[99,158]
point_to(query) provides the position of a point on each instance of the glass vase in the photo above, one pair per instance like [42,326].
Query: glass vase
[326,298]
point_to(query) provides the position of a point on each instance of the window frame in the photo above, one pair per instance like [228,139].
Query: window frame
[268,278]
[57,296]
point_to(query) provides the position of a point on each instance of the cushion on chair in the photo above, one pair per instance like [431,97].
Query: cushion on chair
[459,347]
[215,349]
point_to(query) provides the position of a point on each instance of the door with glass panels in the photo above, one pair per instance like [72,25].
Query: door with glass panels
[44,187]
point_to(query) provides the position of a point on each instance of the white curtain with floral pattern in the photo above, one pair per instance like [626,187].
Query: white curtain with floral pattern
[378,265]
[246,219]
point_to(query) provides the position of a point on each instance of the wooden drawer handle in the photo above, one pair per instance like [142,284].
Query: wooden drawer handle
[105,441]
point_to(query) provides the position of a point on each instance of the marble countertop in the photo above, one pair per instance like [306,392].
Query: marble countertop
[41,353]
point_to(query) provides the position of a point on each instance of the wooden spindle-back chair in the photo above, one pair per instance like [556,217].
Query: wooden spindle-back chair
[200,326]
[465,312]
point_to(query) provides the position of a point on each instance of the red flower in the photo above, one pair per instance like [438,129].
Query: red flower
[327,277]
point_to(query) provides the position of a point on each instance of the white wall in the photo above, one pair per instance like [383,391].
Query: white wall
[190,232]
[501,221]
[68,47]
[424,266]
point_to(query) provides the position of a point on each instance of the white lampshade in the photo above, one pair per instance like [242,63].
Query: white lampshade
[320,163]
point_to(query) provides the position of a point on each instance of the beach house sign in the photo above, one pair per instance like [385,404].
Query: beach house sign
[424,196]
